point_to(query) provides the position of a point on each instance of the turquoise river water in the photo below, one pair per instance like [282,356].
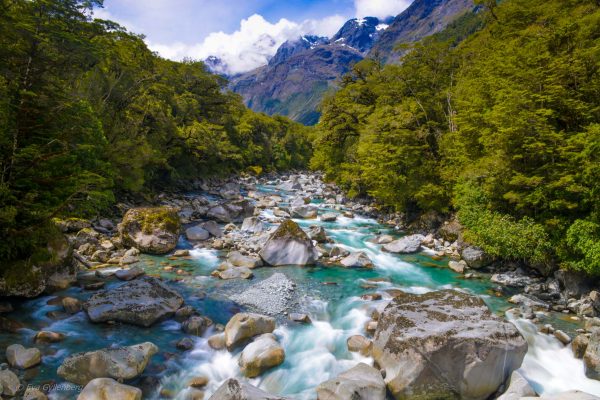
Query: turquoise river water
[314,352]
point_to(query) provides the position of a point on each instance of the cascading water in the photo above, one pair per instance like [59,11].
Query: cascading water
[314,352]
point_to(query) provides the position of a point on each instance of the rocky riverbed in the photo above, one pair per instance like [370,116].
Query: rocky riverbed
[280,287]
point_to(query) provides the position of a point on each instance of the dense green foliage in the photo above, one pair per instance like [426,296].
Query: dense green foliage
[88,112]
[498,116]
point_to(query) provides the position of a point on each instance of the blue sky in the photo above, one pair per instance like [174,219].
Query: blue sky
[244,33]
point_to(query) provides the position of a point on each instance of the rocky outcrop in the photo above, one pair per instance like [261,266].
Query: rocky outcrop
[31,277]
[359,383]
[244,326]
[109,389]
[405,245]
[234,389]
[289,245]
[445,344]
[153,230]
[118,363]
[141,302]
[263,353]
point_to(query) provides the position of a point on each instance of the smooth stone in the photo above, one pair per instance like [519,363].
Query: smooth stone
[253,225]
[329,217]
[234,389]
[217,341]
[181,253]
[362,382]
[32,393]
[9,382]
[197,233]
[475,257]
[579,345]
[48,337]
[237,259]
[406,245]
[196,325]
[234,273]
[23,358]
[359,344]
[109,389]
[243,326]
[129,274]
[458,266]
[185,344]
[262,354]
[357,260]
[213,228]
[298,317]
[120,363]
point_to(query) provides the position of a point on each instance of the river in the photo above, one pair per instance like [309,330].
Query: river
[314,352]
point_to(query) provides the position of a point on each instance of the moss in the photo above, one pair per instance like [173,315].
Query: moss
[289,228]
[151,218]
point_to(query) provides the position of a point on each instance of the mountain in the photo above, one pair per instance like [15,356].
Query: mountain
[421,19]
[360,34]
[295,80]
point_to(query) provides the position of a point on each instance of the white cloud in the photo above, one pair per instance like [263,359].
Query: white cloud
[252,45]
[380,8]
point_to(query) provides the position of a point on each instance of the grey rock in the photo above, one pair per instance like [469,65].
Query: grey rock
[118,363]
[304,212]
[196,325]
[253,225]
[475,257]
[359,383]
[262,354]
[233,273]
[197,233]
[109,389]
[357,260]
[213,228]
[130,273]
[445,343]
[234,389]
[328,217]
[289,245]
[405,245]
[9,382]
[237,259]
[151,230]
[518,387]
[22,358]
[142,302]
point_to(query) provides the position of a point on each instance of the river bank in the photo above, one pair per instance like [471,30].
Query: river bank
[217,269]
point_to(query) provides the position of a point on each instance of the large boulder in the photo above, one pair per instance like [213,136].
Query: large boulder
[289,245]
[362,382]
[244,326]
[405,245]
[196,233]
[233,389]
[51,255]
[118,363]
[445,344]
[141,302]
[475,257]
[109,389]
[263,353]
[153,230]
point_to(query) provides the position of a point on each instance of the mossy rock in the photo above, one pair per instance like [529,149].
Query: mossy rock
[153,230]
[29,277]
[69,225]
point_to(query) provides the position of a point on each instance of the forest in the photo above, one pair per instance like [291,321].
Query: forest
[88,114]
[497,118]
